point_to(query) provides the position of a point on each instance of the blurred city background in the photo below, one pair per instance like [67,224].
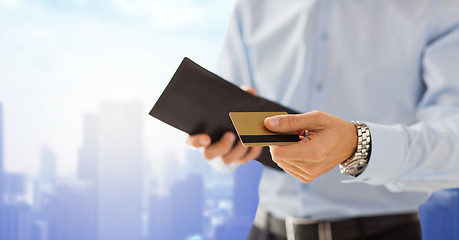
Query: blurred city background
[80,158]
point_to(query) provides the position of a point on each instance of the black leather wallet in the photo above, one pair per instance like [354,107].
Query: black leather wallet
[198,101]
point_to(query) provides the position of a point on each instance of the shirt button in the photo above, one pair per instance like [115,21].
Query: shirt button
[324,36]
[319,87]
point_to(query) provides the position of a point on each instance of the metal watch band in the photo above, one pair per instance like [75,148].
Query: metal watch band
[357,163]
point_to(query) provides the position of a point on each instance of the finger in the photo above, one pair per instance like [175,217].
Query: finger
[294,122]
[249,89]
[220,148]
[294,172]
[253,153]
[297,176]
[296,169]
[236,153]
[198,140]
[311,169]
[305,150]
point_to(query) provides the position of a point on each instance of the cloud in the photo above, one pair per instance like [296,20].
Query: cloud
[173,13]
[18,5]
[11,4]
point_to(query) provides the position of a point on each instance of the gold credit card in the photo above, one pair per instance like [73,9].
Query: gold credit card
[252,131]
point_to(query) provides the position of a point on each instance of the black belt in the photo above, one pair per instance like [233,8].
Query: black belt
[352,228]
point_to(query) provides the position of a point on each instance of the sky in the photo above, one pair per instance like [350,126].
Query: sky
[60,59]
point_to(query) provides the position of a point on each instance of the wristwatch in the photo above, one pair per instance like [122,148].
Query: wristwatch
[355,165]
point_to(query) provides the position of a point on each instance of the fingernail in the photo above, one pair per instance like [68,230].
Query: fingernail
[273,121]
[203,142]
[230,137]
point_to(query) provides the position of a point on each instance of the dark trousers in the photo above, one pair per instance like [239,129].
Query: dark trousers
[408,231]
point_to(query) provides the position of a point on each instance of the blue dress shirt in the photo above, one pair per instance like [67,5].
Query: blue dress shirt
[392,64]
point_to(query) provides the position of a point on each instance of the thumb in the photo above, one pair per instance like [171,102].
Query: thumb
[292,122]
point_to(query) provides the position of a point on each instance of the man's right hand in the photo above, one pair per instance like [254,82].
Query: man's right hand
[225,149]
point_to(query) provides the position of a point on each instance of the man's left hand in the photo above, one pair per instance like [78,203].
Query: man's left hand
[329,141]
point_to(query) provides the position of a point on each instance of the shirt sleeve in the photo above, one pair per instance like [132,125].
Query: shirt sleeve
[424,156]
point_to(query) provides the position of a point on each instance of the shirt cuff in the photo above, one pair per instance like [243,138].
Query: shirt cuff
[387,154]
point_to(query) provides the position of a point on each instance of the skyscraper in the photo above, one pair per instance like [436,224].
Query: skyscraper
[14,185]
[73,210]
[119,176]
[17,219]
[245,200]
[88,166]
[187,207]
[48,170]
[1,172]
[1,159]
[160,222]
[44,186]
[245,193]
[87,154]
[179,214]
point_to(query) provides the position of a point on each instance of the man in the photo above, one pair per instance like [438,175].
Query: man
[394,66]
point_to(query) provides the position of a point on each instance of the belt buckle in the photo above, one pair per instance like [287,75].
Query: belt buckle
[323,228]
